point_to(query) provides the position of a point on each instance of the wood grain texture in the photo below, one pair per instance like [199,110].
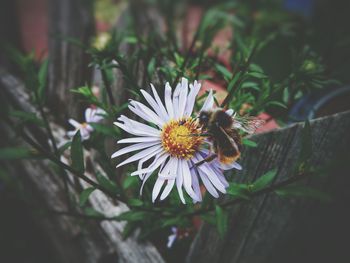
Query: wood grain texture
[70,22]
[275,229]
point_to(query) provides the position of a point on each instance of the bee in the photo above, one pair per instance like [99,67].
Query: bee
[222,129]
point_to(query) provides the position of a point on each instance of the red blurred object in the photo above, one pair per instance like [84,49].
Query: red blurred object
[33,23]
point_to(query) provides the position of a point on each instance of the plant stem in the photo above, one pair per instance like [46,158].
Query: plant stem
[265,190]
[239,81]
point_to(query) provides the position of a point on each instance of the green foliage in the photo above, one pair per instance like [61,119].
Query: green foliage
[221,220]
[303,191]
[238,190]
[249,143]
[14,153]
[106,183]
[84,195]
[264,180]
[77,154]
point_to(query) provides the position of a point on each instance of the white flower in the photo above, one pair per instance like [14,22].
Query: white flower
[92,115]
[172,237]
[169,146]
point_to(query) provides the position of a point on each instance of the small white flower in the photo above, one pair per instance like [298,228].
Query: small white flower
[172,237]
[169,147]
[92,115]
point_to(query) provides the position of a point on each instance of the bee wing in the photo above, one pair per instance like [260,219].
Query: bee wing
[247,124]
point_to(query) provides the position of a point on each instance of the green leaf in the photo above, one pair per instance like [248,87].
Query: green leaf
[210,219]
[249,143]
[13,153]
[135,202]
[89,211]
[303,191]
[276,103]
[264,180]
[257,75]
[151,66]
[42,77]
[221,220]
[27,117]
[132,216]
[77,154]
[129,181]
[104,129]
[64,147]
[224,71]
[84,195]
[129,228]
[106,183]
[238,190]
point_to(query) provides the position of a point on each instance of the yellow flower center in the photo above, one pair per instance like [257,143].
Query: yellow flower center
[180,138]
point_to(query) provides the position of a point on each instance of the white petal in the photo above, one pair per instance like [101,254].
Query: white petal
[71,133]
[183,96]
[74,123]
[188,180]
[195,183]
[176,95]
[154,105]
[207,169]
[153,166]
[170,184]
[179,182]
[156,189]
[145,113]
[139,139]
[148,111]
[208,185]
[209,102]
[146,158]
[192,98]
[167,189]
[148,174]
[85,134]
[168,101]
[140,155]
[139,126]
[171,240]
[230,166]
[137,131]
[131,148]
[160,103]
[144,181]
[88,114]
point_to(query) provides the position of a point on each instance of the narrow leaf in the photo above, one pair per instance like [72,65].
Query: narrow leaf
[13,153]
[221,220]
[303,191]
[249,143]
[264,180]
[84,195]
[77,154]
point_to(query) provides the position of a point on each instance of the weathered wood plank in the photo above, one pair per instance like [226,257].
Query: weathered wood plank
[260,229]
[69,21]
[92,241]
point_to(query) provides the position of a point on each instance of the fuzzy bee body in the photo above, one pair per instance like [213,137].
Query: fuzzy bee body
[222,130]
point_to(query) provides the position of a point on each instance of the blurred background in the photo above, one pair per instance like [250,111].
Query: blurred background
[306,46]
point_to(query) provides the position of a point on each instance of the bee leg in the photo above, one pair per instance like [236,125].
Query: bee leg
[206,160]
[198,135]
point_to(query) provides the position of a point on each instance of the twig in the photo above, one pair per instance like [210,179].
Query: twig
[265,190]
[238,82]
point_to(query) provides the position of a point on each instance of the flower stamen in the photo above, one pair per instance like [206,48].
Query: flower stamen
[180,138]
